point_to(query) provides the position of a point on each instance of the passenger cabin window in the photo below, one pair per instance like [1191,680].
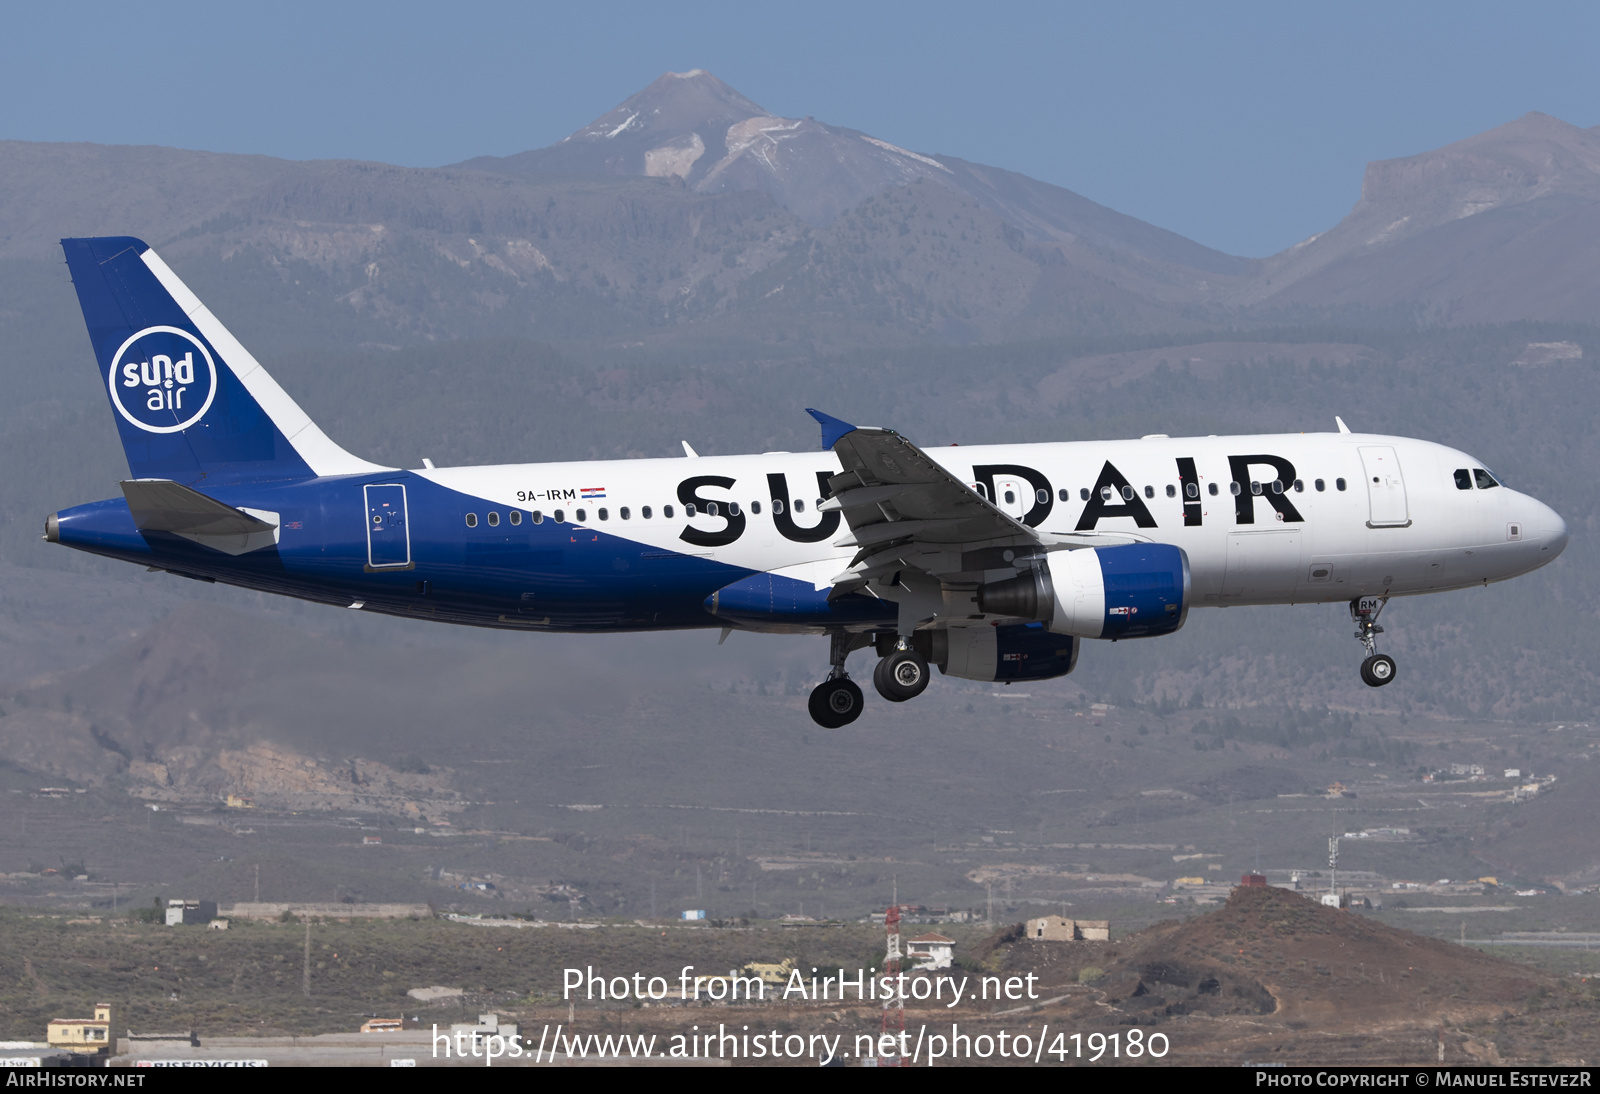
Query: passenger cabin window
[1484,479]
[1463,479]
[1299,486]
[1338,484]
[777,505]
[711,509]
[624,512]
[538,517]
[581,515]
[755,507]
[689,510]
[1149,491]
[1172,491]
[1011,497]
[1127,493]
[1212,489]
[494,520]
[1083,494]
[1255,487]
[1235,489]
[644,512]
[1321,485]
[1042,497]
[516,516]
[733,507]
[1277,486]
[1062,494]
[799,505]
[666,511]
[605,514]
[561,516]
[1192,490]
[472,520]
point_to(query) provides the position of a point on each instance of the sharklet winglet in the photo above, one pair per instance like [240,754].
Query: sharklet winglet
[832,428]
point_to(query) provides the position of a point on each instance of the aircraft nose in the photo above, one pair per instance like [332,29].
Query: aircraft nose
[1552,532]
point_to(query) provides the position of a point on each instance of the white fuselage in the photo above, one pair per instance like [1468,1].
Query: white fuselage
[1274,518]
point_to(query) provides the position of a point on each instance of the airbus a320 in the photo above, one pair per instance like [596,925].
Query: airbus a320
[991,562]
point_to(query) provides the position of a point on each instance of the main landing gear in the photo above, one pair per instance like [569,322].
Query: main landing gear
[902,673]
[837,701]
[1379,668]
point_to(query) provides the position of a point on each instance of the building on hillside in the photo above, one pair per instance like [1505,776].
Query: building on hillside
[771,974]
[1055,928]
[488,1025]
[1253,881]
[277,910]
[931,951]
[85,1036]
[383,1025]
[190,912]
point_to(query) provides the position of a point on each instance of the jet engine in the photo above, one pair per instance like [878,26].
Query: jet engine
[1017,652]
[1139,590]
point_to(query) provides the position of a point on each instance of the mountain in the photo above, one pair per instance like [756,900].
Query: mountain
[1504,225]
[693,127]
[363,253]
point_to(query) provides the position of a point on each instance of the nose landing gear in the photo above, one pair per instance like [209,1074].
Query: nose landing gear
[1379,668]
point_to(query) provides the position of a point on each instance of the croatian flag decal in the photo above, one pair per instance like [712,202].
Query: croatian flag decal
[592,492]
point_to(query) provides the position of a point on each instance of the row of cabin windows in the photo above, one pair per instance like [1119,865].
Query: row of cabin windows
[1190,490]
[581,516]
[1465,480]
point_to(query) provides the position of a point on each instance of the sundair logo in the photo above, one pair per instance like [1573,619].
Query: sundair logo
[163,380]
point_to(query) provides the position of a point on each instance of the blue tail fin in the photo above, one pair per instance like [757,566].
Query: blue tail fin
[189,401]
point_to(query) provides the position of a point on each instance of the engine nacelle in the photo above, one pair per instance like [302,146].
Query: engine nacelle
[1139,590]
[1019,652]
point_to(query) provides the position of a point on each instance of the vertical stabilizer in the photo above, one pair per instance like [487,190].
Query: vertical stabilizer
[189,401]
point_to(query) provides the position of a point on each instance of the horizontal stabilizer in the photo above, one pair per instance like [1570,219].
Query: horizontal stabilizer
[161,505]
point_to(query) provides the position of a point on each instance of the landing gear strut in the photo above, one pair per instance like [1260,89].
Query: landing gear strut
[1379,668]
[837,701]
[901,674]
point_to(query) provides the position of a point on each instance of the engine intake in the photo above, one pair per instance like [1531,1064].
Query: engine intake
[1139,590]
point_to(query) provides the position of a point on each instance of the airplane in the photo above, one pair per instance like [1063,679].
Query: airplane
[990,562]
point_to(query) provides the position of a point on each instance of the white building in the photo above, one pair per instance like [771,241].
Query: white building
[488,1025]
[931,951]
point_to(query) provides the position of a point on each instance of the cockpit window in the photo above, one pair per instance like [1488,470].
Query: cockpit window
[1463,479]
[1484,479]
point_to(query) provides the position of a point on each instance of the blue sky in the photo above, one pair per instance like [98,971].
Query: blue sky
[1243,126]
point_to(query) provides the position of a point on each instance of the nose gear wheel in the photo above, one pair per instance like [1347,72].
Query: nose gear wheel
[1379,668]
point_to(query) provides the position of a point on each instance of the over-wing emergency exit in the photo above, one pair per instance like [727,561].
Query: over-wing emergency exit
[989,562]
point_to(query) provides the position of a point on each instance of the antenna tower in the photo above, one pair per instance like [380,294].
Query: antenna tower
[894,1004]
[1333,867]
